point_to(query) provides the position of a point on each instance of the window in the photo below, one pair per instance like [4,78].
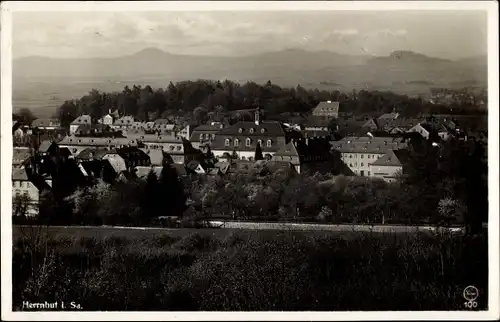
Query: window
[240,130]
[262,130]
[179,148]
[368,173]
[260,142]
[213,136]
[350,156]
[362,164]
[350,164]
[368,156]
[201,136]
[21,184]
[362,156]
[252,130]
[171,148]
[250,158]
[236,142]
[243,158]
[269,143]
[248,142]
[227,142]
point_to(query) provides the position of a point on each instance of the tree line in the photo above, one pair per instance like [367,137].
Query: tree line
[204,99]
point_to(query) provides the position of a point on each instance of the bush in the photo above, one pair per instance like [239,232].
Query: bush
[253,271]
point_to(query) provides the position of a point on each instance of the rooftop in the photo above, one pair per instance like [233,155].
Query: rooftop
[45,122]
[96,141]
[326,107]
[82,119]
[368,144]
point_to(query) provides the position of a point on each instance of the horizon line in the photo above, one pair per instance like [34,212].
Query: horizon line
[485,55]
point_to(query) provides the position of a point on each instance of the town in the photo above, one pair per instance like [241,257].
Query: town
[111,145]
[213,157]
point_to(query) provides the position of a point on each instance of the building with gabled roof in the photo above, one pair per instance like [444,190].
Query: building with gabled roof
[78,144]
[205,133]
[358,153]
[24,183]
[83,119]
[124,123]
[327,109]
[288,153]
[242,138]
[390,165]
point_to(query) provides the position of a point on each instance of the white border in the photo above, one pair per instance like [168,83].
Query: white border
[6,155]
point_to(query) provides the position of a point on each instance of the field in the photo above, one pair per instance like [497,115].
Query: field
[223,269]
[44,96]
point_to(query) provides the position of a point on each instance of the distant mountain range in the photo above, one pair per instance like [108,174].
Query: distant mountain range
[291,66]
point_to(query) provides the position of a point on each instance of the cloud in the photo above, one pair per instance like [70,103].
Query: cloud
[346,32]
[390,33]
[111,34]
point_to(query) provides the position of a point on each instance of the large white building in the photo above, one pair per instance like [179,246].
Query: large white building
[360,154]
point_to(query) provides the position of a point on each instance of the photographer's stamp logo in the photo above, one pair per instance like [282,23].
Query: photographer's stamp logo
[471,293]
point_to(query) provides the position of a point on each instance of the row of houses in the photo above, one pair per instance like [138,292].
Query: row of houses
[128,124]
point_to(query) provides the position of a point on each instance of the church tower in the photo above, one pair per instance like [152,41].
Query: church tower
[257,115]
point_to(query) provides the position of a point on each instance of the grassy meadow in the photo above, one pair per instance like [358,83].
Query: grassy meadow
[248,270]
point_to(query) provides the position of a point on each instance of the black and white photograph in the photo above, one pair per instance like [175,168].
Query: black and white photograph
[252,160]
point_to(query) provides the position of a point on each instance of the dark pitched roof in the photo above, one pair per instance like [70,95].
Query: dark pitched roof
[179,168]
[426,127]
[45,123]
[314,133]
[89,127]
[388,159]
[94,153]
[44,146]
[248,130]
[317,121]
[288,150]
[125,120]
[156,156]
[265,128]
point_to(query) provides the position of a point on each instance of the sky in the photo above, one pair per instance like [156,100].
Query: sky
[444,34]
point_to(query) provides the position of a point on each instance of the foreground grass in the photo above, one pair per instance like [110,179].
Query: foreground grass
[250,271]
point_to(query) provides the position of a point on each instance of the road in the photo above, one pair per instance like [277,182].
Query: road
[226,229]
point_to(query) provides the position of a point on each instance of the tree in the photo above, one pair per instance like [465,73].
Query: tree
[151,198]
[258,153]
[67,113]
[234,155]
[171,191]
[200,114]
[21,204]
[25,116]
